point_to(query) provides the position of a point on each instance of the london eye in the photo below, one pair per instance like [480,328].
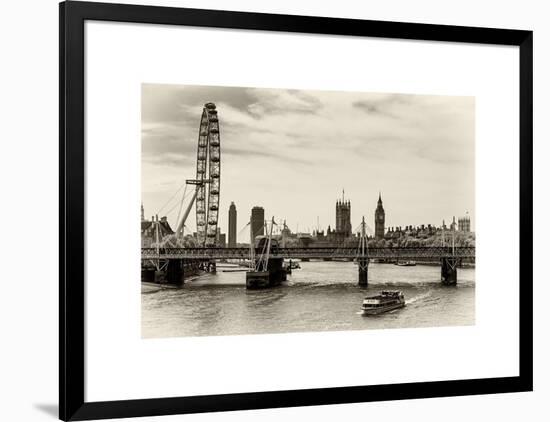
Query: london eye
[207,181]
[208,176]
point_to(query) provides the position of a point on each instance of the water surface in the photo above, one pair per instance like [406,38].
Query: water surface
[322,296]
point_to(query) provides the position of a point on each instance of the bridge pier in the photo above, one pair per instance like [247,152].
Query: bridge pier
[175,271]
[274,275]
[212,267]
[449,267]
[148,275]
[363,264]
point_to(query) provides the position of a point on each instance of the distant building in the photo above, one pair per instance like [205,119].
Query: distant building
[342,233]
[453,224]
[343,218]
[379,219]
[220,238]
[426,231]
[232,229]
[149,230]
[305,239]
[257,219]
[419,232]
[286,232]
[464,224]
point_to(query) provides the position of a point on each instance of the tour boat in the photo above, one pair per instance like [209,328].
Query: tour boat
[292,265]
[387,300]
[406,263]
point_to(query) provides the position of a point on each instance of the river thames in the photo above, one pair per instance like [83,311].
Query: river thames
[321,296]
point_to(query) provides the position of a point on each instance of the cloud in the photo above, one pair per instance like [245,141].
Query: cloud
[164,102]
[284,102]
[275,142]
[243,153]
[383,104]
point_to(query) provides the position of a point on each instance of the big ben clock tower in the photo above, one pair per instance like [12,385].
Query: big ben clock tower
[379,219]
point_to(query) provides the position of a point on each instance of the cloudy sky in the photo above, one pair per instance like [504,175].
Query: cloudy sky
[293,152]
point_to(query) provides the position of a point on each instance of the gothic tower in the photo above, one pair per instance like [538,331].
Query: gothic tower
[379,219]
[343,217]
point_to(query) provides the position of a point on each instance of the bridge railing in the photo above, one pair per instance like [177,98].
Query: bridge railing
[416,252]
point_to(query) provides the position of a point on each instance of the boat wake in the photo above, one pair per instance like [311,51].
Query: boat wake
[417,298]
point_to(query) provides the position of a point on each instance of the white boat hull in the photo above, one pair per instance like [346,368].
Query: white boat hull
[382,309]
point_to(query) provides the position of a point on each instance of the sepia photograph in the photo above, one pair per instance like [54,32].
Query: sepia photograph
[269,211]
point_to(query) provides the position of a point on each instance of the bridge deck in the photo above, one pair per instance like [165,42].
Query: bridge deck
[429,252]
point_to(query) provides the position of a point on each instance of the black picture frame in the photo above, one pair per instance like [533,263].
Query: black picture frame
[72,16]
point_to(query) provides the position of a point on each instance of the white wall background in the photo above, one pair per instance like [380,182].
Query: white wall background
[28,208]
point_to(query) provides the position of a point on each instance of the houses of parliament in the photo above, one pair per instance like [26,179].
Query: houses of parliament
[343,232]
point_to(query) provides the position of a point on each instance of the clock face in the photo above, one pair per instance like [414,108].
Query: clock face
[380,218]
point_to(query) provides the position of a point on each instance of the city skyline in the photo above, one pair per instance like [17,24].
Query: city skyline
[417,150]
[463,223]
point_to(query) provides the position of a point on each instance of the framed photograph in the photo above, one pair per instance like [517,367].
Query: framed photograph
[266,211]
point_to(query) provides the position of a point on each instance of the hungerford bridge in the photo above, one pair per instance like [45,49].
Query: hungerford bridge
[174,263]
[431,253]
